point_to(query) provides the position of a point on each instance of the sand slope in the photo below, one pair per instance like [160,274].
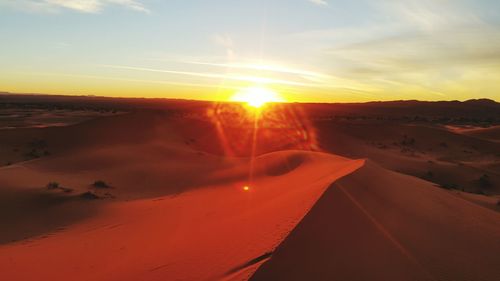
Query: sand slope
[379,225]
[178,211]
[433,153]
[490,133]
[207,233]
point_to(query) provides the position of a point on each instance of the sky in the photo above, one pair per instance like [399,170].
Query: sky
[306,50]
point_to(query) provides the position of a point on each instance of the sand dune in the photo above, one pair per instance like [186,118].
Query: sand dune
[207,233]
[175,208]
[433,153]
[490,133]
[379,225]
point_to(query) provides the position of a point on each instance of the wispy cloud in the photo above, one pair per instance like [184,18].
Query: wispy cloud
[83,6]
[254,70]
[215,75]
[437,62]
[225,41]
[430,49]
[430,15]
[216,78]
[319,2]
[112,78]
[267,68]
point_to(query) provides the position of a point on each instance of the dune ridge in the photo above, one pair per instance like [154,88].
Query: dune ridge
[376,224]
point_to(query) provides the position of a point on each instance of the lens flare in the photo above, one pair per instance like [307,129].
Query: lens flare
[274,127]
[244,132]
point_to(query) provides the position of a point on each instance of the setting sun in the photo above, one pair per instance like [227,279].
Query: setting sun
[256,96]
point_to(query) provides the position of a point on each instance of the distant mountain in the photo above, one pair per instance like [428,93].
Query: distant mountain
[481,102]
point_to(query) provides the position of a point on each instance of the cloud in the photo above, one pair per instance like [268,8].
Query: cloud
[319,2]
[293,82]
[310,75]
[430,15]
[452,60]
[426,49]
[426,37]
[217,76]
[83,6]
[225,41]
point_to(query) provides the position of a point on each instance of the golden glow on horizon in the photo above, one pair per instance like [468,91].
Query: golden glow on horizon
[292,84]
[256,96]
[341,58]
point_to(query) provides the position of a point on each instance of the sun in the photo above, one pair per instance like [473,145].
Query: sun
[256,96]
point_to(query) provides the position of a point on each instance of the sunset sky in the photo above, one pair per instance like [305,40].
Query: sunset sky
[306,50]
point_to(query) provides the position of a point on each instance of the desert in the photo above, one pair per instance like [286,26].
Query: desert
[269,140]
[115,200]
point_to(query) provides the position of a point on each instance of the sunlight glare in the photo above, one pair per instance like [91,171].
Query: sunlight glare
[256,96]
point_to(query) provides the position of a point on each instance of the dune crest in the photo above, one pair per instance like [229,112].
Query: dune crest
[376,224]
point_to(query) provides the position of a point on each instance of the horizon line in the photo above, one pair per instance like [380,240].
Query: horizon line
[227,101]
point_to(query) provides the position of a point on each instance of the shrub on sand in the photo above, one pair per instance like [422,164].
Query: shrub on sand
[53,185]
[100,184]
